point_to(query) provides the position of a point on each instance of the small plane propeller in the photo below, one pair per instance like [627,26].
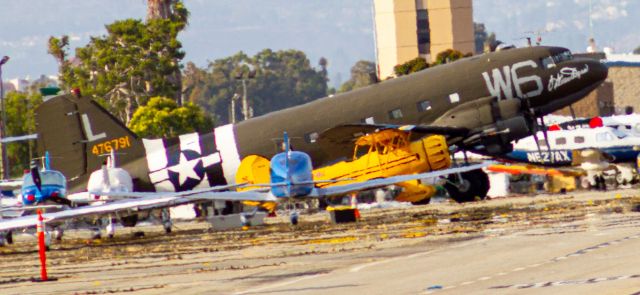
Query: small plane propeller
[35,175]
[287,150]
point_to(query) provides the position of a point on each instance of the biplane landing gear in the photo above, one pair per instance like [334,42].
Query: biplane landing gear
[468,186]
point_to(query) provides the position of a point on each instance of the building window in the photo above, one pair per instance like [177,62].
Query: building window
[424,34]
[424,105]
[395,114]
[561,140]
[311,137]
[578,139]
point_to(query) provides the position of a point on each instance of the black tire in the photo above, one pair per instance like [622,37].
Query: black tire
[9,237]
[129,221]
[478,186]
[424,201]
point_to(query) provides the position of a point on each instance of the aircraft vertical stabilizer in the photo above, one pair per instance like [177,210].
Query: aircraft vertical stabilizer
[78,132]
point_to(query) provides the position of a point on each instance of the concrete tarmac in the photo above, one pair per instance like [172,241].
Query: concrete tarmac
[601,259]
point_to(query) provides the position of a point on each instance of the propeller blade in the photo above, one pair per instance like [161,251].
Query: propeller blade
[535,138]
[35,175]
[573,113]
[544,133]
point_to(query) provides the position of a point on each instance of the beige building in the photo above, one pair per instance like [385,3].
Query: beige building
[406,29]
[626,86]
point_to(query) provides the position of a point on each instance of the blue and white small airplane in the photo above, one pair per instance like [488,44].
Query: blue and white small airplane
[616,145]
[44,186]
[594,150]
[291,180]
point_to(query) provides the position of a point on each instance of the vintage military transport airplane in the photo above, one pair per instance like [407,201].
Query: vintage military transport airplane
[481,103]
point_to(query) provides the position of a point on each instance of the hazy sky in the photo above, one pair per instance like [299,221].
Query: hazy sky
[340,30]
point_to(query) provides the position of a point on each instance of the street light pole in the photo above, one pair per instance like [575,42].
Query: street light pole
[3,131]
[232,113]
[246,113]
[245,105]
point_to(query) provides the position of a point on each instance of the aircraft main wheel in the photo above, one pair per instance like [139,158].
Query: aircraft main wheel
[424,201]
[294,218]
[474,185]
[129,221]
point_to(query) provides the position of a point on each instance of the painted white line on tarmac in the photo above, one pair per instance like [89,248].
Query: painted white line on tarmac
[370,264]
[281,284]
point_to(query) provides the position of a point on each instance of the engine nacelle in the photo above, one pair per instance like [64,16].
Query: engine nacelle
[496,139]
[115,180]
[297,169]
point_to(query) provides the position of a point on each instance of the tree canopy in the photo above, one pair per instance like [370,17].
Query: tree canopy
[136,60]
[21,121]
[279,79]
[162,117]
[363,73]
[637,50]
[415,65]
[448,56]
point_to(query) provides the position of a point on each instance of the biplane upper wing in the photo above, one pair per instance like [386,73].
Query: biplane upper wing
[338,141]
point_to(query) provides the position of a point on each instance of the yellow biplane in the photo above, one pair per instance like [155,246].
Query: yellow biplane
[380,154]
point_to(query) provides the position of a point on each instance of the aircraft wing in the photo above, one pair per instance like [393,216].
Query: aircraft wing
[381,182]
[19,138]
[150,200]
[129,195]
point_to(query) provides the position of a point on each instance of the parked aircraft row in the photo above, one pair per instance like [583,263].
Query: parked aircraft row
[479,104]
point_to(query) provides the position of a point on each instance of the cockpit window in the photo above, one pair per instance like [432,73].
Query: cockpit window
[551,61]
[46,178]
[548,63]
[562,56]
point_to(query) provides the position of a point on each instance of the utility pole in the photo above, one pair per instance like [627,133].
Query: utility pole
[246,113]
[232,114]
[245,105]
[3,130]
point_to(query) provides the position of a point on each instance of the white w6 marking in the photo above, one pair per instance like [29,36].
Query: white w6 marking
[501,84]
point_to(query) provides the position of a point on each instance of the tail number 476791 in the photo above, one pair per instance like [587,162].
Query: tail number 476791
[109,145]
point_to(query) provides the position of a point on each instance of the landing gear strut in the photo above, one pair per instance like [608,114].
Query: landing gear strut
[166,220]
[468,186]
[6,238]
[111,227]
